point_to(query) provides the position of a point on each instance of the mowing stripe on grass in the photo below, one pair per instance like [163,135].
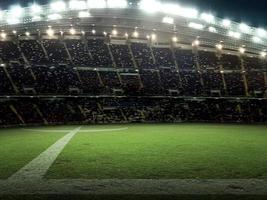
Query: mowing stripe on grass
[85,130]
[36,169]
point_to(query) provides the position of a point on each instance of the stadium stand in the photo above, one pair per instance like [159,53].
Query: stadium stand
[133,82]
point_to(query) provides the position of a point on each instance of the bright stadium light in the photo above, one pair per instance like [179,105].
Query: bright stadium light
[219,46]
[12,21]
[54,16]
[261,32]
[242,50]
[96,3]
[235,35]
[72,31]
[114,32]
[58,6]
[50,32]
[35,9]
[195,43]
[168,20]
[27,33]
[14,32]
[212,29]
[174,39]
[188,13]
[263,54]
[16,11]
[94,31]
[148,37]
[117,3]
[150,6]
[196,25]
[171,9]
[135,34]
[3,35]
[244,28]
[256,39]
[209,18]
[84,14]
[226,23]
[77,5]
[153,36]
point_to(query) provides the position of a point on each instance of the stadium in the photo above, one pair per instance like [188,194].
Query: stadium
[129,99]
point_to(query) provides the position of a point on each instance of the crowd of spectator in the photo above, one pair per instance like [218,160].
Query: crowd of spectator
[146,78]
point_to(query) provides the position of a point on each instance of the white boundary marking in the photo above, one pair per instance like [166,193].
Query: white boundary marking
[37,168]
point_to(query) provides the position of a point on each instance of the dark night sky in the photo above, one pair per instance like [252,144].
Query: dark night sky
[252,12]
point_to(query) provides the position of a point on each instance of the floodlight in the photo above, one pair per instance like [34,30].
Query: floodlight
[226,23]
[84,14]
[12,20]
[16,11]
[148,37]
[96,3]
[244,28]
[256,39]
[135,34]
[212,29]
[35,9]
[117,3]
[150,6]
[105,33]
[114,32]
[188,13]
[153,36]
[261,32]
[219,46]
[209,18]
[50,32]
[126,35]
[234,34]
[27,33]
[3,35]
[242,50]
[263,54]
[172,9]
[58,6]
[77,5]
[195,43]
[83,33]
[54,17]
[174,39]
[94,31]
[168,20]
[72,31]
[196,25]
[14,32]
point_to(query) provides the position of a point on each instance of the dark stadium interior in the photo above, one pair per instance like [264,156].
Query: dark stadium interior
[133,98]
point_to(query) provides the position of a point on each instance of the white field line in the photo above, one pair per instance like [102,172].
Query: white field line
[84,130]
[36,169]
[137,186]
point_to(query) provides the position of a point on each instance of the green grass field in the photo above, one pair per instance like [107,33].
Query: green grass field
[164,151]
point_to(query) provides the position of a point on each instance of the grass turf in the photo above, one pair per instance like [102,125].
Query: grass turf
[166,152]
[20,146]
